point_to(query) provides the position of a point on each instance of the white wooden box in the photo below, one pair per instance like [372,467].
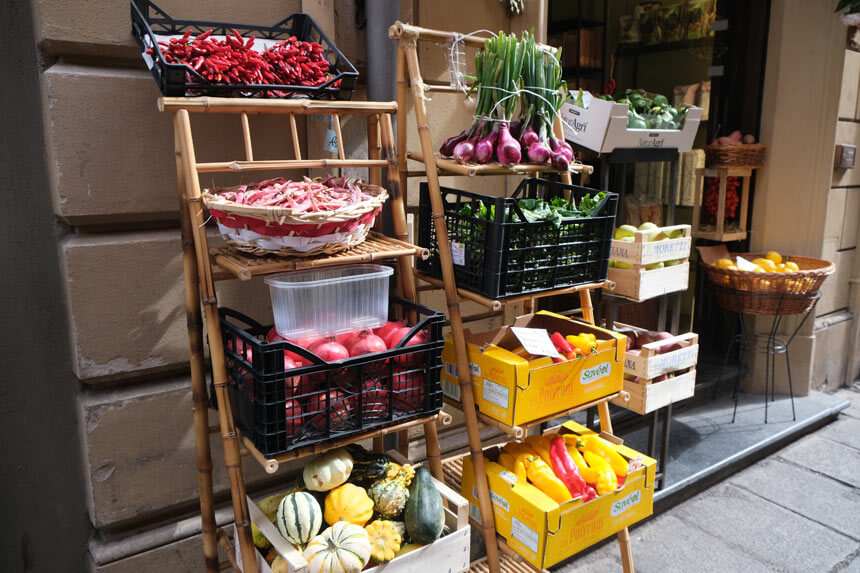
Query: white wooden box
[448,554]
[647,397]
[644,252]
[638,284]
[602,127]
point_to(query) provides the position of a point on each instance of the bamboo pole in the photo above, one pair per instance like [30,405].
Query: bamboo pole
[401,31]
[624,534]
[225,166]
[487,521]
[199,398]
[398,215]
[294,130]
[339,134]
[233,460]
[402,105]
[246,135]
[374,150]
[274,106]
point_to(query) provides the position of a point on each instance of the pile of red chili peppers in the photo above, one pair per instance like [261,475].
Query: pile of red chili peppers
[233,61]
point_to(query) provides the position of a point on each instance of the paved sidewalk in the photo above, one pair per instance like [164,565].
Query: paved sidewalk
[797,510]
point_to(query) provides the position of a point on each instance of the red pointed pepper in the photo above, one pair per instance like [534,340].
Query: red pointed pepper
[567,472]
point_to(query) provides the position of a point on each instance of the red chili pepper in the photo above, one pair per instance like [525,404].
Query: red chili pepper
[203,36]
[565,469]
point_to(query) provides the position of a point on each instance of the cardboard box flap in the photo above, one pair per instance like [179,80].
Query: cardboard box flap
[711,255]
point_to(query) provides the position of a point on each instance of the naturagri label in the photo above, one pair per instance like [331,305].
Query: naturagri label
[625,503]
[594,373]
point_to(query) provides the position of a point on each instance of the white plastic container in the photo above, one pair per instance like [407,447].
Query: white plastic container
[325,302]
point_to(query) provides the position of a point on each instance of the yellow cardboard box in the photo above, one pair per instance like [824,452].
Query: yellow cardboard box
[545,532]
[515,391]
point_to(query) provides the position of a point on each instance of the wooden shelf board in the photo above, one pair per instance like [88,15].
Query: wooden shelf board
[730,171]
[497,304]
[519,431]
[450,167]
[234,264]
[271,464]
[720,237]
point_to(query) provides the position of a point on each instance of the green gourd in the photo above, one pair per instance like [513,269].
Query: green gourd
[424,514]
[389,497]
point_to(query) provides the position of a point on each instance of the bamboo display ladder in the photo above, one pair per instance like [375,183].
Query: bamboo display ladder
[499,556]
[204,266]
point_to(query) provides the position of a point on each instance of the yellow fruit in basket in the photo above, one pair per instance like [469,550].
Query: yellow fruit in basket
[724,263]
[767,264]
[759,270]
[791,266]
[780,268]
[732,267]
[774,256]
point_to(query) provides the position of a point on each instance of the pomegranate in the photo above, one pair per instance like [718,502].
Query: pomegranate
[375,398]
[413,359]
[384,330]
[395,335]
[409,390]
[346,337]
[330,350]
[291,384]
[273,336]
[293,411]
[366,343]
[338,411]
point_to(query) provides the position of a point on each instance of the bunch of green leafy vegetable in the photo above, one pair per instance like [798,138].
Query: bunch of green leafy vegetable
[537,210]
[647,111]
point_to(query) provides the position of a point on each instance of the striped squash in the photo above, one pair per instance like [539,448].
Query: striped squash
[299,518]
[342,548]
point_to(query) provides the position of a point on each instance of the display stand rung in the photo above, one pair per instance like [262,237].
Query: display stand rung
[244,266]
[497,304]
[272,464]
[519,431]
[450,167]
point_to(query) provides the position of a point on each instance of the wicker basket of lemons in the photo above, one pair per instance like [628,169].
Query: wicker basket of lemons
[769,283]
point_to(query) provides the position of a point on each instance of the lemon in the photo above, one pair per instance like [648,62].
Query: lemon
[732,267]
[767,264]
[774,256]
[758,270]
[791,266]
[724,263]
[780,268]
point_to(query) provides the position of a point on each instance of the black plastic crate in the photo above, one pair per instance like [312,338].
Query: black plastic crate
[498,258]
[280,410]
[149,21]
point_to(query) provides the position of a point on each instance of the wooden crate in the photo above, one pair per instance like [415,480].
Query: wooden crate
[639,284]
[721,231]
[644,252]
[646,395]
[448,553]
[645,398]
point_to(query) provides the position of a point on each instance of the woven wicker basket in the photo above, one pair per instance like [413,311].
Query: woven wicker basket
[741,155]
[261,230]
[769,293]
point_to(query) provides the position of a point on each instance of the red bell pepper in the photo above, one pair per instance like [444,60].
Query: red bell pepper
[565,469]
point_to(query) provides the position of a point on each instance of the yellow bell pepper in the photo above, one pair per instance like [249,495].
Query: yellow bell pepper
[606,480]
[507,461]
[540,474]
[517,448]
[520,467]
[588,474]
[581,343]
[541,446]
[600,447]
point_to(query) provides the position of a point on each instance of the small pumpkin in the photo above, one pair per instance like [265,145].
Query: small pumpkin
[408,548]
[342,548]
[389,497]
[299,518]
[328,471]
[400,527]
[349,503]
[424,514]
[384,540]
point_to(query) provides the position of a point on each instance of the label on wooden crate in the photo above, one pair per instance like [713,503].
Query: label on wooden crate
[524,534]
[458,253]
